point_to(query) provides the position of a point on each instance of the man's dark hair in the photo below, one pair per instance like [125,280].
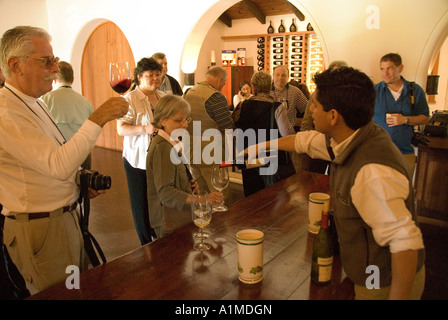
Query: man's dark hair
[348,91]
[395,58]
[65,72]
[145,64]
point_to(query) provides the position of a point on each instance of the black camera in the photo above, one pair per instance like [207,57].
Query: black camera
[418,138]
[94,180]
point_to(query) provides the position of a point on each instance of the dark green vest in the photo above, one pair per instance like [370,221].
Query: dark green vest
[372,144]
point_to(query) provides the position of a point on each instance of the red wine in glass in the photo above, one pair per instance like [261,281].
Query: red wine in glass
[120,76]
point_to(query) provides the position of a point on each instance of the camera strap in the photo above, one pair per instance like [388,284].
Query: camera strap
[412,98]
[90,243]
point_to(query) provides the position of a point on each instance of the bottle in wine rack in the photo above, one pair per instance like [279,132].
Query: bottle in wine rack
[277,63]
[278,45]
[281,28]
[260,45]
[296,75]
[270,28]
[278,50]
[296,62]
[309,27]
[322,262]
[260,51]
[293,27]
[277,39]
[296,68]
[278,56]
[296,44]
[297,50]
[260,57]
[260,40]
[261,63]
[297,56]
[296,38]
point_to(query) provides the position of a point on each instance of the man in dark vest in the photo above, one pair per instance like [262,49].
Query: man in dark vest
[373,197]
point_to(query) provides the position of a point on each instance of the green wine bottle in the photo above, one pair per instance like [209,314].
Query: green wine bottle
[270,28]
[281,28]
[322,263]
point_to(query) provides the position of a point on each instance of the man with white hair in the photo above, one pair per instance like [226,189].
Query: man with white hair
[38,188]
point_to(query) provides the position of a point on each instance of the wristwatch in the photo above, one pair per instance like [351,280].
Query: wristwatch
[407,121]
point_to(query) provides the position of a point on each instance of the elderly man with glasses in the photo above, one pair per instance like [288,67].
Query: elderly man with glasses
[38,188]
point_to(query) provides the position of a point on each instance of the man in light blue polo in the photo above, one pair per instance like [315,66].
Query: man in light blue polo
[393,108]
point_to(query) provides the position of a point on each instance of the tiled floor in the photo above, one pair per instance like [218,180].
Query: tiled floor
[112,225]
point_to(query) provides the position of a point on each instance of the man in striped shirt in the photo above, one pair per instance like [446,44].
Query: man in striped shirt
[284,92]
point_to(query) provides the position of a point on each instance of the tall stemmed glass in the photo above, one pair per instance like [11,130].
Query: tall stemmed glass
[120,76]
[220,180]
[201,213]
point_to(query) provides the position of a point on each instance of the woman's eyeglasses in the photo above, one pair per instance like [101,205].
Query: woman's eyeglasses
[181,120]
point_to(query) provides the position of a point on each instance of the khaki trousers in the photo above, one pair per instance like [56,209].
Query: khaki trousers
[43,248]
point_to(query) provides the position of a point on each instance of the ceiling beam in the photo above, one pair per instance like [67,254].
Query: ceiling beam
[294,10]
[226,20]
[255,10]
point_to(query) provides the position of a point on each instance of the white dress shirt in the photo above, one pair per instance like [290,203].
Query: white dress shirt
[38,171]
[378,193]
[135,148]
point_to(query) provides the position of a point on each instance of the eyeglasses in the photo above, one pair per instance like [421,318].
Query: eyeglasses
[48,61]
[180,120]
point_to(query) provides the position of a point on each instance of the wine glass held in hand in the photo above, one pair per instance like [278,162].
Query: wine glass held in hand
[201,214]
[220,181]
[120,76]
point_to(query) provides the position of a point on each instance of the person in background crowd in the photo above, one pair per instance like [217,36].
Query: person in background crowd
[394,110]
[137,130]
[291,95]
[169,84]
[261,113]
[244,93]
[374,207]
[68,108]
[38,188]
[169,187]
[317,165]
[209,109]
[294,99]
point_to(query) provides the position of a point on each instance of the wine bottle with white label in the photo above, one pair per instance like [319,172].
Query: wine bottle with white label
[322,262]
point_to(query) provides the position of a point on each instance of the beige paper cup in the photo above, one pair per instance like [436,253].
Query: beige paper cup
[250,255]
[315,205]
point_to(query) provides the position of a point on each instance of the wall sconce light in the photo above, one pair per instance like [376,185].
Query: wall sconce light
[432,84]
[189,79]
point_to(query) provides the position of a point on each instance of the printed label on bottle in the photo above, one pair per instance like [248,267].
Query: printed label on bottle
[325,268]
[324,273]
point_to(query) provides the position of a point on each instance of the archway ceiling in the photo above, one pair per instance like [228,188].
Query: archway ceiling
[259,9]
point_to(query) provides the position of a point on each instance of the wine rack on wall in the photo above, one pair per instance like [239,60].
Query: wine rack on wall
[300,51]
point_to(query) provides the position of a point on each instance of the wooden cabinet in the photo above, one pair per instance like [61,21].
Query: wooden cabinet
[235,74]
[431,180]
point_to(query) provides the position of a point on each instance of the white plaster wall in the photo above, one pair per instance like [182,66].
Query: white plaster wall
[413,28]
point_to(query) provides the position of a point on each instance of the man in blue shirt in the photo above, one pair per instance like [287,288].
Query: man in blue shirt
[393,107]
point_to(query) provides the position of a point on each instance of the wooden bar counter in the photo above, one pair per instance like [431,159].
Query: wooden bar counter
[169,268]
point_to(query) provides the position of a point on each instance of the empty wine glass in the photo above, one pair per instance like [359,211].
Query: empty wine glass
[120,76]
[201,213]
[220,180]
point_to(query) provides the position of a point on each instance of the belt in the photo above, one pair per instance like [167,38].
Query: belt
[40,215]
